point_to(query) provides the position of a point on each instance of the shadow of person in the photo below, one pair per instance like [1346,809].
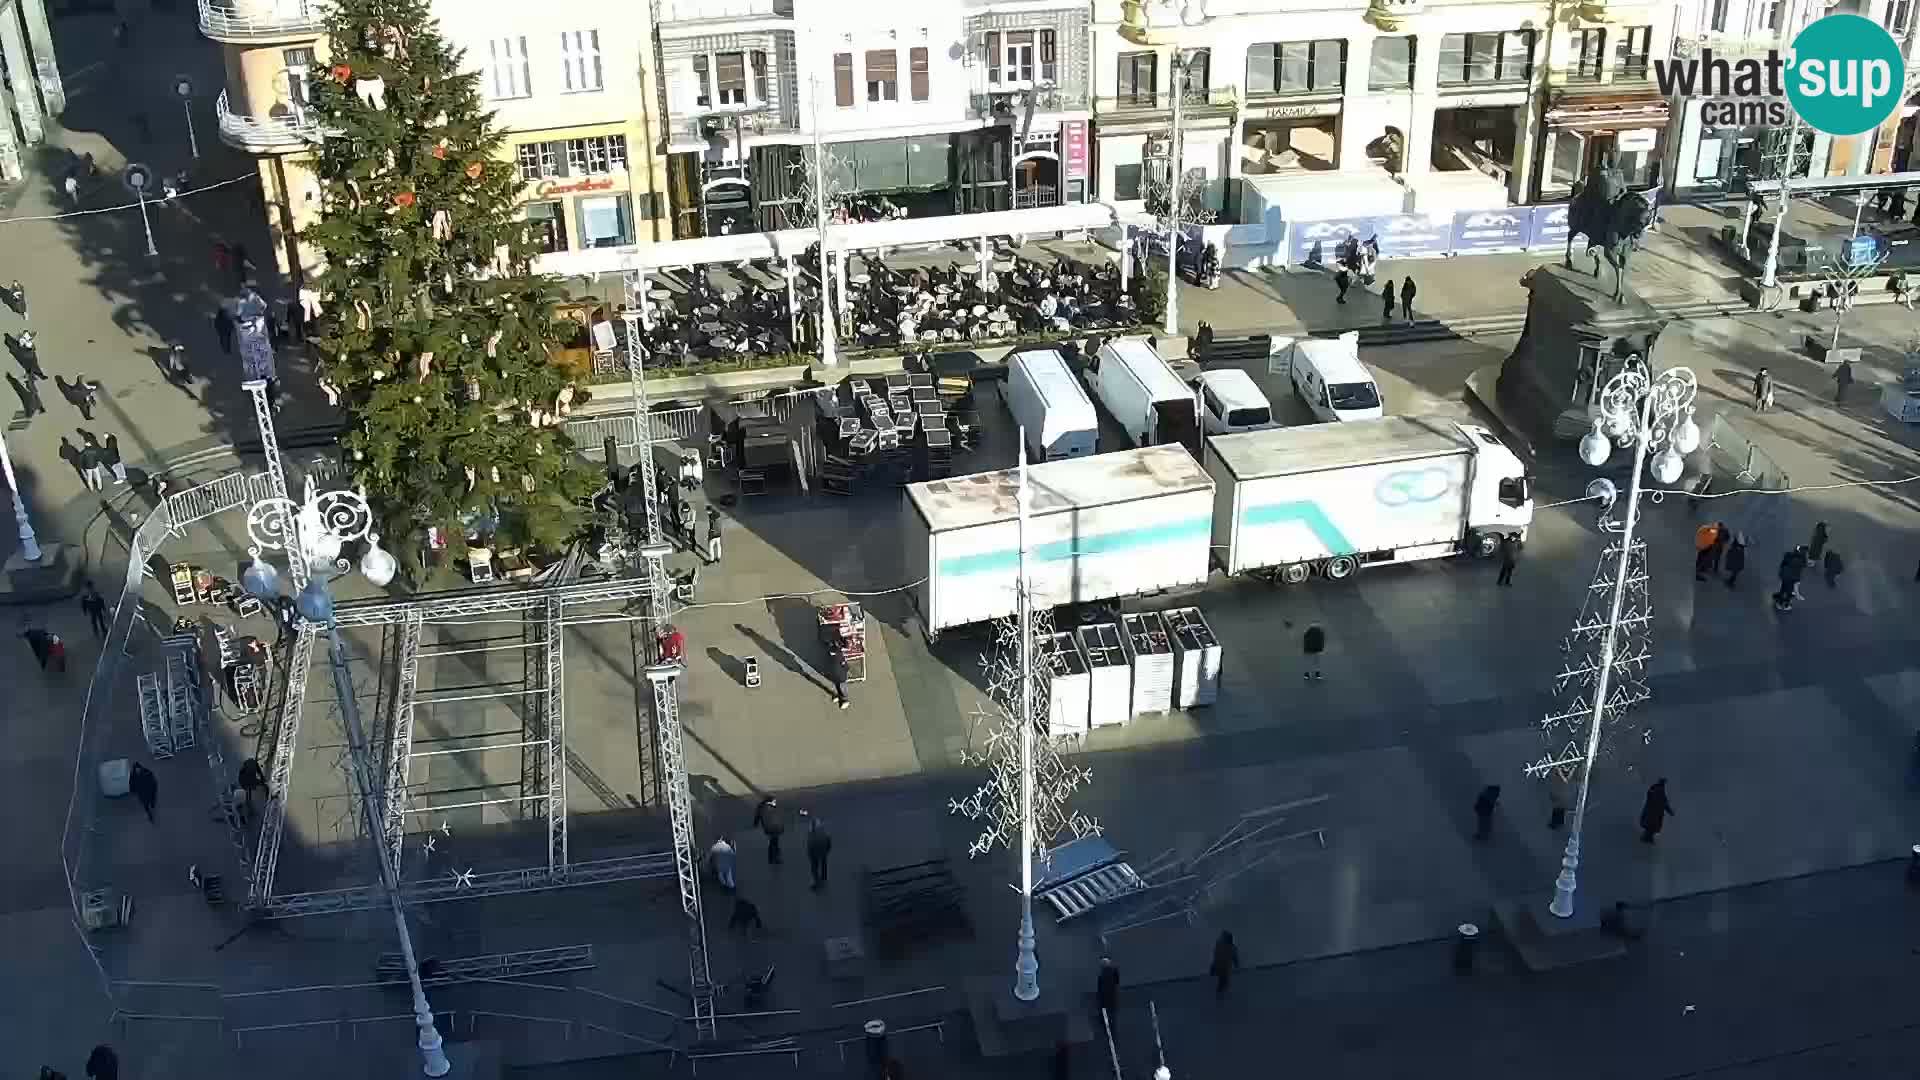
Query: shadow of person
[28,399]
[778,653]
[72,391]
[70,454]
[730,666]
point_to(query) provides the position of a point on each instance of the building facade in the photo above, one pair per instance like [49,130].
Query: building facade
[570,83]
[30,86]
[952,106]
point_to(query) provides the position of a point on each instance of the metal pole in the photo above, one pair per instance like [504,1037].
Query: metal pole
[1172,326]
[1026,985]
[1567,883]
[193,142]
[829,351]
[1769,275]
[276,476]
[142,193]
[29,546]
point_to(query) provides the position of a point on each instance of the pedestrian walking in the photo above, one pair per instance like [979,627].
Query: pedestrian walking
[1387,303]
[1704,539]
[1226,961]
[1817,545]
[30,356]
[72,187]
[223,328]
[840,685]
[746,916]
[1762,390]
[253,778]
[1342,281]
[1831,567]
[1407,289]
[1653,812]
[1722,536]
[86,393]
[17,298]
[110,456]
[56,653]
[772,821]
[1842,379]
[103,1063]
[144,126]
[177,371]
[37,641]
[1736,559]
[222,257]
[1483,807]
[1509,555]
[819,846]
[93,468]
[1793,565]
[722,858]
[1313,643]
[713,533]
[95,606]
[1062,1060]
[1106,990]
[145,787]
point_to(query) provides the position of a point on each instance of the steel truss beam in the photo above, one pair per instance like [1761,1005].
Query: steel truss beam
[555,707]
[651,866]
[441,609]
[393,801]
[286,736]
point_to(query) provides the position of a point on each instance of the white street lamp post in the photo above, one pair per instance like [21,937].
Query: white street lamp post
[1651,412]
[1769,274]
[29,545]
[1026,967]
[1174,171]
[829,351]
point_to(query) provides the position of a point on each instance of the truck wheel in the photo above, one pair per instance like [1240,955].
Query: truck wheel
[1341,567]
[1296,573]
[1485,544]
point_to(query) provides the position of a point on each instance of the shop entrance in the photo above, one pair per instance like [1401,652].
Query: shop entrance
[1036,181]
[1475,139]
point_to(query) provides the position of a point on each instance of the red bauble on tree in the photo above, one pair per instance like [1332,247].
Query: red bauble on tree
[342,74]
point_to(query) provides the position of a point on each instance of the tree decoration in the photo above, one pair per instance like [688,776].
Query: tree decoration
[401,300]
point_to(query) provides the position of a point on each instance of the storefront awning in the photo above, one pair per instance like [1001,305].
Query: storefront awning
[1607,114]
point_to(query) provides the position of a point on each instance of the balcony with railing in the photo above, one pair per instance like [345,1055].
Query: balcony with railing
[758,120]
[1010,105]
[1197,101]
[265,134]
[702,13]
[260,20]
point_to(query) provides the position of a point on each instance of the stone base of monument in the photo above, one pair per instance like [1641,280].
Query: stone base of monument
[1576,334]
[1823,351]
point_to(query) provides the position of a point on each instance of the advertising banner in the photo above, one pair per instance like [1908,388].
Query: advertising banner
[1073,142]
[1549,228]
[1414,236]
[1484,231]
[1315,242]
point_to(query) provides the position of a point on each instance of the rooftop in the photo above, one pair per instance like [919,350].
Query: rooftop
[1312,447]
[1100,480]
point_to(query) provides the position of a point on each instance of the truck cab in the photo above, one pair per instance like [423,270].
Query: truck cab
[1500,498]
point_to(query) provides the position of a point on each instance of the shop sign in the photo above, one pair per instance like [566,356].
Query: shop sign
[1291,112]
[1414,236]
[1485,101]
[572,187]
[1073,142]
[1638,139]
[1476,231]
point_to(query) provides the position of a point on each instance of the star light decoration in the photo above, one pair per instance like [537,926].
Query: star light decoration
[996,802]
[1564,727]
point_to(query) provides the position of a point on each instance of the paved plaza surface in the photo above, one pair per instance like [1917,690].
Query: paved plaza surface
[1786,740]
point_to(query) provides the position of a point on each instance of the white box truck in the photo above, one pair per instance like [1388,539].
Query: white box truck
[1328,499]
[1144,394]
[1050,407]
[1112,525]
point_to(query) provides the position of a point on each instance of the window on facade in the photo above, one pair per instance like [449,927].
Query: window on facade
[1487,57]
[1899,17]
[1590,52]
[730,78]
[549,221]
[1391,67]
[1019,56]
[703,82]
[1195,74]
[511,77]
[1049,57]
[1126,182]
[917,73]
[843,80]
[883,75]
[1139,78]
[1630,56]
[298,62]
[596,155]
[538,161]
[1773,14]
[605,221]
[580,60]
[1297,67]
[758,58]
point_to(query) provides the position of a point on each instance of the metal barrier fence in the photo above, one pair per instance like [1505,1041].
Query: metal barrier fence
[216,496]
[1738,463]
[590,433]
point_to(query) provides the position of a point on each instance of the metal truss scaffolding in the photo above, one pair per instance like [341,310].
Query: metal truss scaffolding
[556,749]
[393,805]
[286,737]
[491,602]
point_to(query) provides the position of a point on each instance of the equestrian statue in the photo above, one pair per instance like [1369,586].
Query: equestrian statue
[1612,218]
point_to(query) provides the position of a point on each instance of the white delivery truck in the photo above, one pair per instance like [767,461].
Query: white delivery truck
[1048,403]
[1144,394]
[1328,376]
[1329,499]
[1118,524]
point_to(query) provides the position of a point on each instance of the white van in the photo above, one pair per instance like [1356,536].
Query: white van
[1329,377]
[1144,394]
[1230,403]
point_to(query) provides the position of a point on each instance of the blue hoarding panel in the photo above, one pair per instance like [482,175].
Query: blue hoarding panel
[1482,231]
[1414,236]
[1549,227]
[1314,242]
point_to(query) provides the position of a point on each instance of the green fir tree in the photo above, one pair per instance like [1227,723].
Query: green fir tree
[435,333]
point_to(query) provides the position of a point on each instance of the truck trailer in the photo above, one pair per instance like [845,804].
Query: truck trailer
[1328,499]
[1052,411]
[1144,395]
[1111,525]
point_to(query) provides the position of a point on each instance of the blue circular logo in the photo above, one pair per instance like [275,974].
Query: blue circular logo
[1846,75]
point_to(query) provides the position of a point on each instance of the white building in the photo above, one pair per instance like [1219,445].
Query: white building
[30,87]
[920,103]
[1457,105]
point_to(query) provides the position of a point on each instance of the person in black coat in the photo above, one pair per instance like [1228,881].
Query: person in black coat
[1342,281]
[1483,807]
[1313,643]
[1653,812]
[1736,559]
[1387,303]
[1407,291]
[1226,961]
[819,846]
[772,821]
[103,1063]
[145,787]
[1106,990]
[1509,556]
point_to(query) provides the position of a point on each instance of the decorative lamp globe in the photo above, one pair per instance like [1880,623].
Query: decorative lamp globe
[1594,447]
[1686,436]
[314,603]
[378,564]
[260,580]
[1602,491]
[1667,466]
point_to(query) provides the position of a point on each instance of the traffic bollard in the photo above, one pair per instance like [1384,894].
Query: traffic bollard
[1466,940]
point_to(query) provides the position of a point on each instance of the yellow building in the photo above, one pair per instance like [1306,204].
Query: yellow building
[571,83]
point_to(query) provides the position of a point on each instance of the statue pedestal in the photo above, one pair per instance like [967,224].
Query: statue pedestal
[1571,318]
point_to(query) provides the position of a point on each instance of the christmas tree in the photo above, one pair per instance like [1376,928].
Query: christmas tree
[434,334]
